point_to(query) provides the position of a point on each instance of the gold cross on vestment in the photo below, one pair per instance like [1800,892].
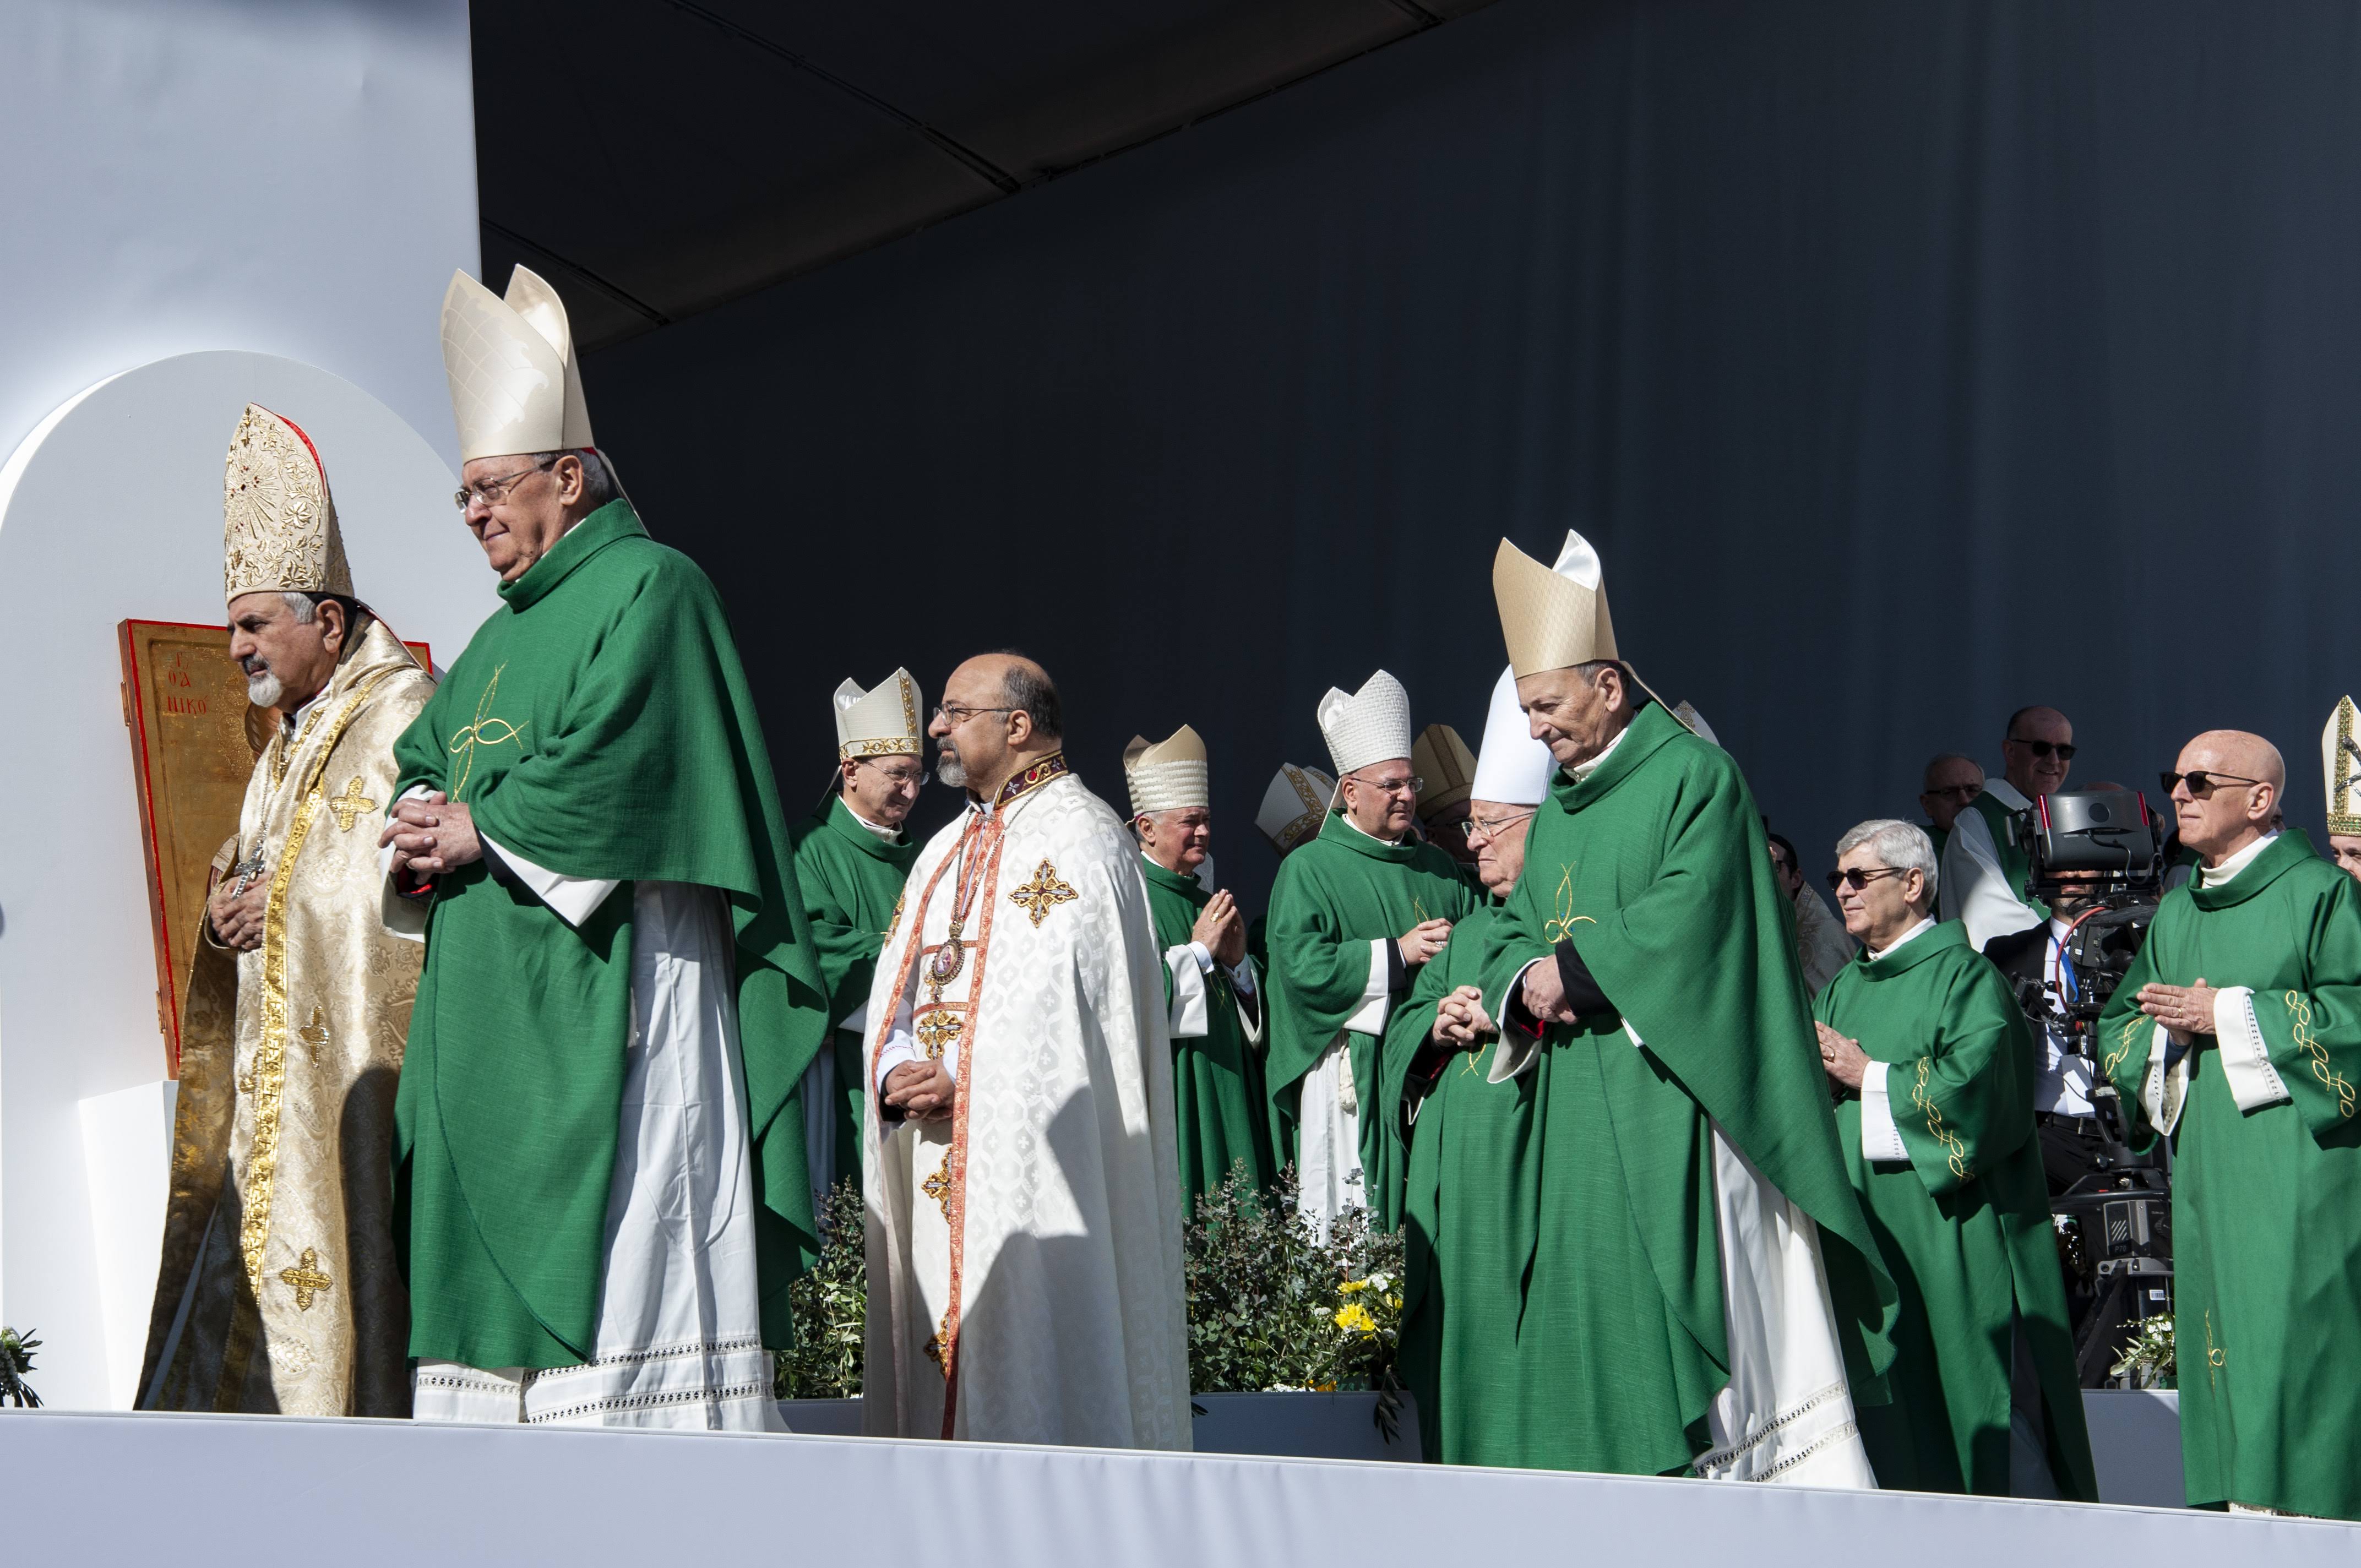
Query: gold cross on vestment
[937,1030]
[315,1034]
[350,806]
[1044,893]
[938,1186]
[936,1347]
[307,1279]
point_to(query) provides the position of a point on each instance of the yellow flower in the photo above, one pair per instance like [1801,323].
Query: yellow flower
[1352,1285]
[1395,1302]
[1356,1318]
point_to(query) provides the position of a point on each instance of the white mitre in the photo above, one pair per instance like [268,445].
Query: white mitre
[880,722]
[1294,806]
[1687,714]
[1372,725]
[278,521]
[515,387]
[1169,775]
[2340,766]
[1513,769]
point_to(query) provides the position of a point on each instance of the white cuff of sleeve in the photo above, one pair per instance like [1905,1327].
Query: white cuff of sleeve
[2245,1061]
[2167,1082]
[574,898]
[1188,1014]
[1517,1051]
[1880,1138]
[1369,1017]
[403,917]
[857,1021]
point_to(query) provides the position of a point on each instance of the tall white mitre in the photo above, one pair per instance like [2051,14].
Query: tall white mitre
[1294,806]
[279,520]
[2340,766]
[1372,725]
[1513,769]
[1169,775]
[515,387]
[880,722]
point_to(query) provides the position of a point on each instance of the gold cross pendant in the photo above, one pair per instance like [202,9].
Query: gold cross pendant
[938,1030]
[350,806]
[1043,893]
[307,1279]
[938,1186]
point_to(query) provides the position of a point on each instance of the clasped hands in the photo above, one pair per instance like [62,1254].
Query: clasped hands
[922,1090]
[237,917]
[2185,1010]
[430,834]
[1460,1021]
[1841,1059]
[1222,930]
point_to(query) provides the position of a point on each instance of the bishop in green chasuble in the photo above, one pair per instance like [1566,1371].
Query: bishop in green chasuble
[852,860]
[1701,1288]
[602,1188]
[1939,1139]
[2254,1075]
[1353,917]
[1212,998]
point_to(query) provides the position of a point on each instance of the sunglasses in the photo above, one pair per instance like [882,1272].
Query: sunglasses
[2201,783]
[1858,879]
[2042,749]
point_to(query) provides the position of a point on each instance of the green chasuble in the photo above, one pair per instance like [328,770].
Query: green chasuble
[852,883]
[599,723]
[1963,1223]
[1335,896]
[1217,1099]
[2266,1202]
[1653,866]
[1486,1394]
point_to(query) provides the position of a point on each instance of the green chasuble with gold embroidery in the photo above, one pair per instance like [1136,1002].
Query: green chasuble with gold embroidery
[1963,1222]
[1333,897]
[1654,867]
[852,883]
[598,722]
[1217,1097]
[2267,1198]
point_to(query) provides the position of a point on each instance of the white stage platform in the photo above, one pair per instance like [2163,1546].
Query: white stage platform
[108,1488]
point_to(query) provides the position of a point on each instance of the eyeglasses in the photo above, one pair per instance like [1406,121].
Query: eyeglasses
[2041,749]
[2201,783]
[1477,828]
[492,492]
[1410,785]
[959,715]
[1857,879]
[905,777]
[1960,792]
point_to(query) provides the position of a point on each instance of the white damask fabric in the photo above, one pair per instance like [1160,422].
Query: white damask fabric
[1054,1313]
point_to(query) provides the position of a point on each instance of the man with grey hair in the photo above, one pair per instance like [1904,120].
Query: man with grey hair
[1929,1046]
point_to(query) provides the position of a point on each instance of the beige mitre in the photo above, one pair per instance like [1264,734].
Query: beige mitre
[515,386]
[1441,758]
[1555,618]
[2340,766]
[278,521]
[1294,806]
[880,722]
[1169,775]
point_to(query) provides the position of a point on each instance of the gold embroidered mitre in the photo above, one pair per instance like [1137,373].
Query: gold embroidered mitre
[1294,806]
[515,387]
[1171,775]
[880,722]
[1553,617]
[1441,758]
[278,522]
[2340,763]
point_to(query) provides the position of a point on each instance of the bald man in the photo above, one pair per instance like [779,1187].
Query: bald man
[2238,1032]
[1024,1233]
[1985,879]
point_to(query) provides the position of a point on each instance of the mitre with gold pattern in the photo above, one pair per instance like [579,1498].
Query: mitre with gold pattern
[2340,765]
[1441,758]
[1294,806]
[278,521]
[1169,775]
[880,722]
[515,386]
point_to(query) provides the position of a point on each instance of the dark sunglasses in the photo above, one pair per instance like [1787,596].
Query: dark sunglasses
[1858,879]
[2201,783]
[2043,748]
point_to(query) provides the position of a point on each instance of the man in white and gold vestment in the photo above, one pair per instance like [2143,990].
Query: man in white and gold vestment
[279,1289]
[1024,1233]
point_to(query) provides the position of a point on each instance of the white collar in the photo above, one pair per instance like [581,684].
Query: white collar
[294,721]
[890,834]
[1581,771]
[2001,790]
[1346,817]
[2216,875]
[1905,939]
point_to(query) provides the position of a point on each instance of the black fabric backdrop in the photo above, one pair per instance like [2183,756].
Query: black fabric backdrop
[1906,363]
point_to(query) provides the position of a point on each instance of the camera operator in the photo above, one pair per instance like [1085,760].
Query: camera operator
[1985,882]
[2237,1031]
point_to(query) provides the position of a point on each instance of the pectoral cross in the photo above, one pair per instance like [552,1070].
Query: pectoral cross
[938,1030]
[350,806]
[307,1279]
[248,870]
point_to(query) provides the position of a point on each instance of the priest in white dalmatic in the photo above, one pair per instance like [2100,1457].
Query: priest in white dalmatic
[1024,1234]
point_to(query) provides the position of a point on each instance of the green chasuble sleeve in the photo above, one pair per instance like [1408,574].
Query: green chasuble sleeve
[1963,1223]
[851,879]
[1333,897]
[2265,1123]
[598,725]
[1217,1093]
[1653,867]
